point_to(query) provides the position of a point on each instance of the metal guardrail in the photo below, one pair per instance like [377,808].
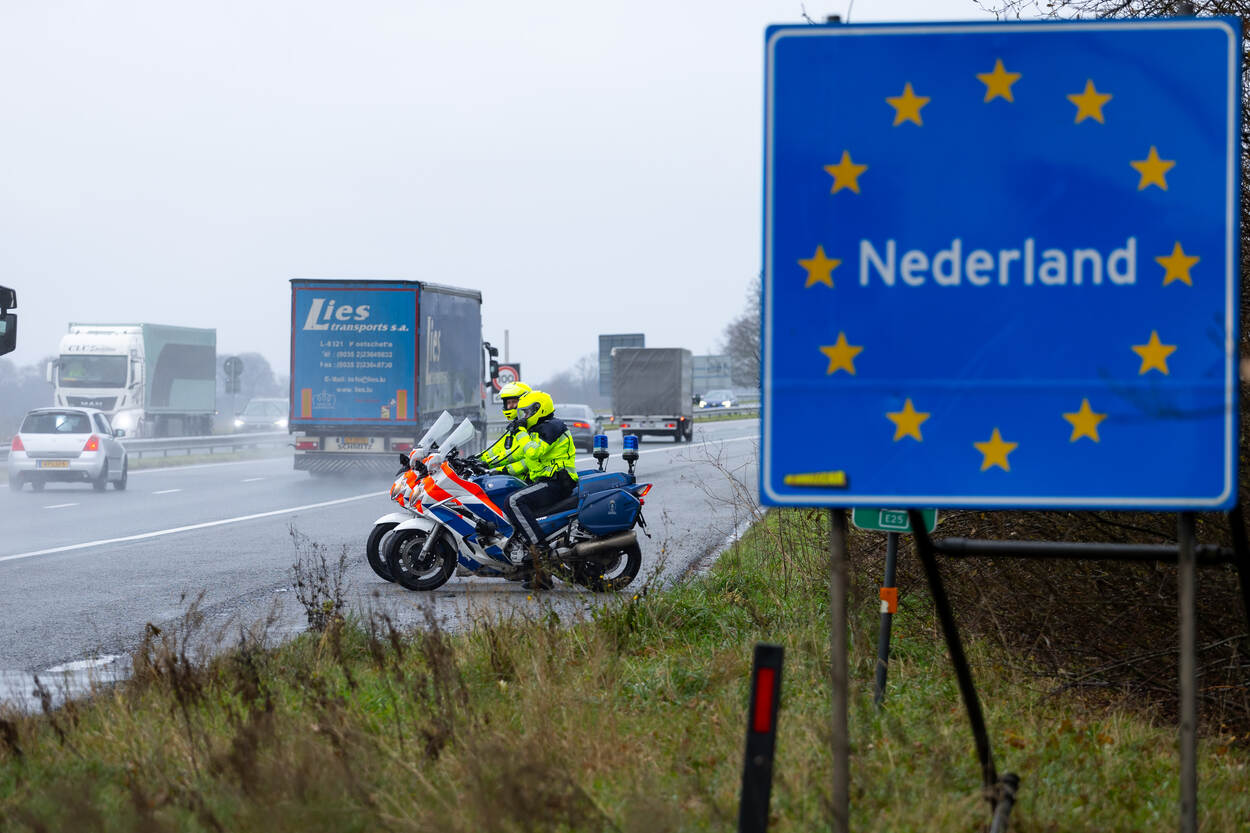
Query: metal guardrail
[168,446]
[740,411]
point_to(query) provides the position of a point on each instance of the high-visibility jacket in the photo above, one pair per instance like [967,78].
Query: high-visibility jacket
[507,453]
[549,450]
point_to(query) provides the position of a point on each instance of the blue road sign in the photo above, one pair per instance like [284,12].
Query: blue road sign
[1000,265]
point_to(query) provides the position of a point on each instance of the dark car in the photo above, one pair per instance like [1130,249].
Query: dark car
[582,424]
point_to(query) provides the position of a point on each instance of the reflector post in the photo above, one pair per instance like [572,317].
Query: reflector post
[757,770]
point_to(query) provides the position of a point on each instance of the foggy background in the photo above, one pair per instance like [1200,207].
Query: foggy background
[590,167]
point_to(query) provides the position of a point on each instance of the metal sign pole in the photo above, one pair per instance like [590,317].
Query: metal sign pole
[838,576]
[889,603]
[1186,585]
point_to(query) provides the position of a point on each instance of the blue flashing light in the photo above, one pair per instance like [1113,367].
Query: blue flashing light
[631,442]
[601,441]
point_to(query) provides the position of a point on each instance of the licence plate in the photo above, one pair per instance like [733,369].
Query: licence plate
[52,464]
[354,443]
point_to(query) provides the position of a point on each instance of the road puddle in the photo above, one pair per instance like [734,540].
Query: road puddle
[27,691]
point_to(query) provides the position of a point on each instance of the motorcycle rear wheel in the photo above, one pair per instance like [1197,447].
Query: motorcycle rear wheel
[403,557]
[373,550]
[610,573]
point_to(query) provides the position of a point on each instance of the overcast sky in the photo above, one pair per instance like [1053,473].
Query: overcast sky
[591,167]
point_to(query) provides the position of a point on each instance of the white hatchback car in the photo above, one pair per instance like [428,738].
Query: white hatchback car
[74,445]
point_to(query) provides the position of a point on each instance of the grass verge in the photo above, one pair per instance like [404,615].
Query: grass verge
[630,720]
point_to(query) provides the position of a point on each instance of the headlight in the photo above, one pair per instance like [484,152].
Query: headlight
[281,423]
[238,423]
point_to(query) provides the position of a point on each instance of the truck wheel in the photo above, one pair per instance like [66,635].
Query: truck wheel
[677,435]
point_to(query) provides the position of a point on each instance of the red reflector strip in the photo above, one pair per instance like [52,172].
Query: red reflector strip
[401,446]
[762,720]
[307,445]
[624,424]
[644,491]
[670,425]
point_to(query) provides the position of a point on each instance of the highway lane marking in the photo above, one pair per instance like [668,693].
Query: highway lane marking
[252,479]
[167,491]
[60,505]
[206,525]
[159,469]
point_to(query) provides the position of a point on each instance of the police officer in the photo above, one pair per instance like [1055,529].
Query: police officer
[548,454]
[505,453]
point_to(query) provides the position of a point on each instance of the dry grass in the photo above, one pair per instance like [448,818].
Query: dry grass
[631,720]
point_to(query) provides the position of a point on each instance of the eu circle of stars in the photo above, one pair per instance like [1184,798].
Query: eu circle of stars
[1004,384]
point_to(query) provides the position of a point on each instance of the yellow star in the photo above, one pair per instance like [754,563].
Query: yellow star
[1152,170]
[995,452]
[1154,354]
[907,106]
[845,174]
[819,268]
[841,355]
[1089,103]
[907,421]
[1084,422]
[998,83]
[1177,265]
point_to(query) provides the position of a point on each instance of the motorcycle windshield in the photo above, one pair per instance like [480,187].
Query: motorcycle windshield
[437,434]
[464,433]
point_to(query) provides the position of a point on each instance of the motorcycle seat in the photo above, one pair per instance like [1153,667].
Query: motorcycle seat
[565,505]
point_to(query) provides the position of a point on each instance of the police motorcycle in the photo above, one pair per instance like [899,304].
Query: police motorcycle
[460,526]
[402,490]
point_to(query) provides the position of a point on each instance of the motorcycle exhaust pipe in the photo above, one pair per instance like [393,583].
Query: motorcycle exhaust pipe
[616,542]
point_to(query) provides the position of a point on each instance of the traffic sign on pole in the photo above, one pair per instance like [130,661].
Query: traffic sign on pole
[1000,262]
[890,520]
[506,375]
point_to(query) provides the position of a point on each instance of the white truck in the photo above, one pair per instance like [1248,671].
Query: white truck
[152,380]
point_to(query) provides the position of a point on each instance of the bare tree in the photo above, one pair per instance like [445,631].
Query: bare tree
[741,341]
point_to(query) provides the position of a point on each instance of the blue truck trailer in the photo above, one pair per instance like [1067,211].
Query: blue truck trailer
[373,364]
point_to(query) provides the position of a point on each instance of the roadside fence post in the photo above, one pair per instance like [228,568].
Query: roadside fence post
[757,768]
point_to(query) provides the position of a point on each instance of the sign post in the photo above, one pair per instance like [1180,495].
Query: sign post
[1003,258]
[892,522]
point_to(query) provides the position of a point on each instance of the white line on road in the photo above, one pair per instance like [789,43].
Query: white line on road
[167,491]
[287,511]
[160,532]
[60,505]
[252,479]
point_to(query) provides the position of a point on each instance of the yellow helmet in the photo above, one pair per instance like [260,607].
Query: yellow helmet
[545,406]
[512,391]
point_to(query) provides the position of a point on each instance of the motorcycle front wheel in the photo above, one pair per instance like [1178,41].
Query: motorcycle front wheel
[373,550]
[611,572]
[403,557]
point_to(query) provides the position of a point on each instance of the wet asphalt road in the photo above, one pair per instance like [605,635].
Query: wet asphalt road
[81,572]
